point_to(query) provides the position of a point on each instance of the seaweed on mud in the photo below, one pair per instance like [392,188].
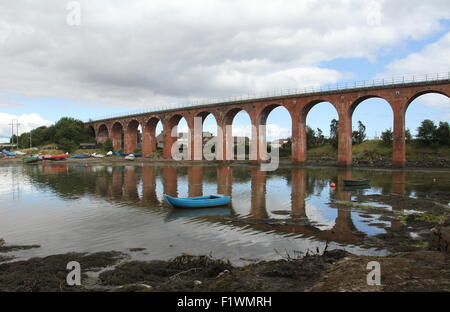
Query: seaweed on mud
[178,273]
[49,273]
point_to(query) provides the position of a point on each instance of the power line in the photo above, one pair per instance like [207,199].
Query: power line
[15,122]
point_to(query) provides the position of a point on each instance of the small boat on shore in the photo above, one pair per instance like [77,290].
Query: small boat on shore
[130,157]
[8,153]
[80,156]
[55,157]
[198,202]
[358,182]
[30,160]
[95,155]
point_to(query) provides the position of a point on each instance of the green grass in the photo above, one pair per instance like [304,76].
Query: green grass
[374,149]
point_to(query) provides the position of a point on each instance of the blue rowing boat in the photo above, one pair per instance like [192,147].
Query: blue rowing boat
[8,153]
[80,156]
[198,202]
[120,154]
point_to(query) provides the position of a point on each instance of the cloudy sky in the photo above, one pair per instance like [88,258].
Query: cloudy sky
[131,55]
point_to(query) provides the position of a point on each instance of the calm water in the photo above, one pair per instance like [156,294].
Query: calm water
[68,208]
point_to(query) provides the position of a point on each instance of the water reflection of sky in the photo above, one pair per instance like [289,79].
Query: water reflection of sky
[89,217]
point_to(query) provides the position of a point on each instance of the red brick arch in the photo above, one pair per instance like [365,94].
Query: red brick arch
[117,135]
[149,141]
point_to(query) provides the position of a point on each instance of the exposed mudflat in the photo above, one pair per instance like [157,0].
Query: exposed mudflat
[334,270]
[419,271]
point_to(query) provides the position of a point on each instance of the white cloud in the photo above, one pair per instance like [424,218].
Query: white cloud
[435,101]
[274,132]
[138,54]
[27,122]
[433,58]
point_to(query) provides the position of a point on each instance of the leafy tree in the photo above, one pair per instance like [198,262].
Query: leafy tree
[426,132]
[69,128]
[320,137]
[386,137]
[408,136]
[334,130]
[67,145]
[67,132]
[310,137]
[360,135]
[442,134]
[107,146]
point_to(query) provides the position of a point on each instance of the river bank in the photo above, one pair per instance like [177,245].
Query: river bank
[439,164]
[424,268]
[335,270]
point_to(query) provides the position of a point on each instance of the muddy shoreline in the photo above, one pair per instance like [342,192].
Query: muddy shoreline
[441,165]
[410,267]
[336,270]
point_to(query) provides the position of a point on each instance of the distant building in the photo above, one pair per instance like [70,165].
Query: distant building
[7,145]
[278,143]
[88,145]
[50,147]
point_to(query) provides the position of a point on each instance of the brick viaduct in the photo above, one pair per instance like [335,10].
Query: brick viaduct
[399,96]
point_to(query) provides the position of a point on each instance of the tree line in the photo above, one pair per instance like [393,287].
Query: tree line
[67,133]
[428,134]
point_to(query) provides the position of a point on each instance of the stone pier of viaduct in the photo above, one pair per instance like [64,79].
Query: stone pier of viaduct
[123,131]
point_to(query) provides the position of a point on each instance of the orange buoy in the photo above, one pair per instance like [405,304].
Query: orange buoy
[333,185]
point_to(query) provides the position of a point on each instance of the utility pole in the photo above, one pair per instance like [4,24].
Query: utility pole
[12,132]
[14,122]
[17,133]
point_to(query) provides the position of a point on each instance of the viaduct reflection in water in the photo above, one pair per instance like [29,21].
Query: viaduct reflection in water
[143,186]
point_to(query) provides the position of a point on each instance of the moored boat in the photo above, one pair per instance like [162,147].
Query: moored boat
[130,157]
[8,153]
[198,202]
[358,182]
[79,156]
[55,157]
[30,160]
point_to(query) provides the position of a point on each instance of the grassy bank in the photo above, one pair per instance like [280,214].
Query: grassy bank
[373,150]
